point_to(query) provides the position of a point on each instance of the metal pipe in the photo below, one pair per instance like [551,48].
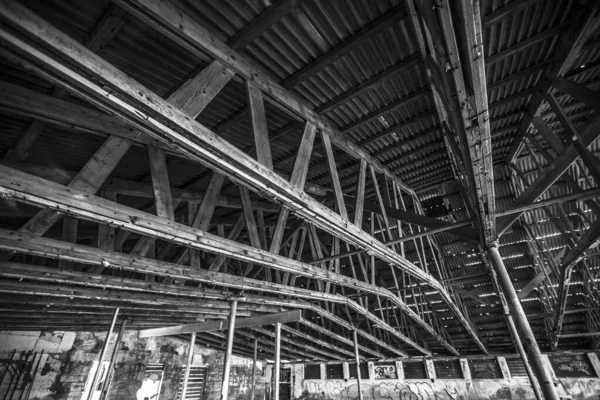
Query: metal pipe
[188,366]
[277,367]
[535,385]
[228,351]
[102,354]
[357,358]
[113,359]
[522,324]
[254,369]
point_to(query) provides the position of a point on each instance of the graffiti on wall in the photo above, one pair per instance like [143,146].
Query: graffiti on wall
[340,390]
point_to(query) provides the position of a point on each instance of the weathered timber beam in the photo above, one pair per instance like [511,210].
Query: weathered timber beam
[555,171]
[370,83]
[579,92]
[581,26]
[160,294]
[582,196]
[191,137]
[56,249]
[265,319]
[183,30]
[262,23]
[17,100]
[104,31]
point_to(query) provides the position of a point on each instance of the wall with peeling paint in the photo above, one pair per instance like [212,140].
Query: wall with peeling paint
[67,357]
[432,389]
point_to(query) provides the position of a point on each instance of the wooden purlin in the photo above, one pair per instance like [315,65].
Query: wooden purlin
[581,27]
[256,175]
[165,18]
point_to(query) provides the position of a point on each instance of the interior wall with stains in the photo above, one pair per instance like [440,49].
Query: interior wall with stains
[399,388]
[61,363]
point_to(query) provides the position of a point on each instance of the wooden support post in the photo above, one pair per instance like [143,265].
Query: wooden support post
[277,367]
[430,369]
[466,371]
[357,359]
[255,356]
[228,351]
[503,367]
[102,354]
[113,359]
[524,329]
[188,366]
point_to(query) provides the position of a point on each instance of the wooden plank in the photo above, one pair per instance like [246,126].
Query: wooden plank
[69,234]
[372,82]
[360,194]
[262,145]
[298,179]
[335,179]
[582,26]
[579,92]
[218,261]
[183,30]
[88,180]
[213,150]
[555,171]
[262,23]
[28,188]
[160,183]
[381,24]
[101,35]
[268,319]
[197,92]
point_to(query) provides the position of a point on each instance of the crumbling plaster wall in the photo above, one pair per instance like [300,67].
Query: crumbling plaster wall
[68,357]
[427,389]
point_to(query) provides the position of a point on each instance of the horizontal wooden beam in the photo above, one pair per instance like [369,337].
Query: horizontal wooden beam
[146,111]
[250,322]
[182,29]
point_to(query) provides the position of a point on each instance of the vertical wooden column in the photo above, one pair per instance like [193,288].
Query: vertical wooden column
[228,351]
[102,354]
[188,366]
[524,329]
[277,367]
[113,359]
[254,369]
[357,359]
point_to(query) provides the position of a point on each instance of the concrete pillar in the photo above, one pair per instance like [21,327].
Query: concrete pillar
[529,343]
[503,367]
[400,370]
[466,371]
[371,366]
[357,360]
[228,350]
[323,371]
[430,369]
[277,368]
[346,369]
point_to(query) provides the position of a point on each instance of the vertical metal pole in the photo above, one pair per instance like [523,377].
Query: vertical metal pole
[357,358]
[113,359]
[277,367]
[525,332]
[188,366]
[102,354]
[228,351]
[254,369]
[535,385]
